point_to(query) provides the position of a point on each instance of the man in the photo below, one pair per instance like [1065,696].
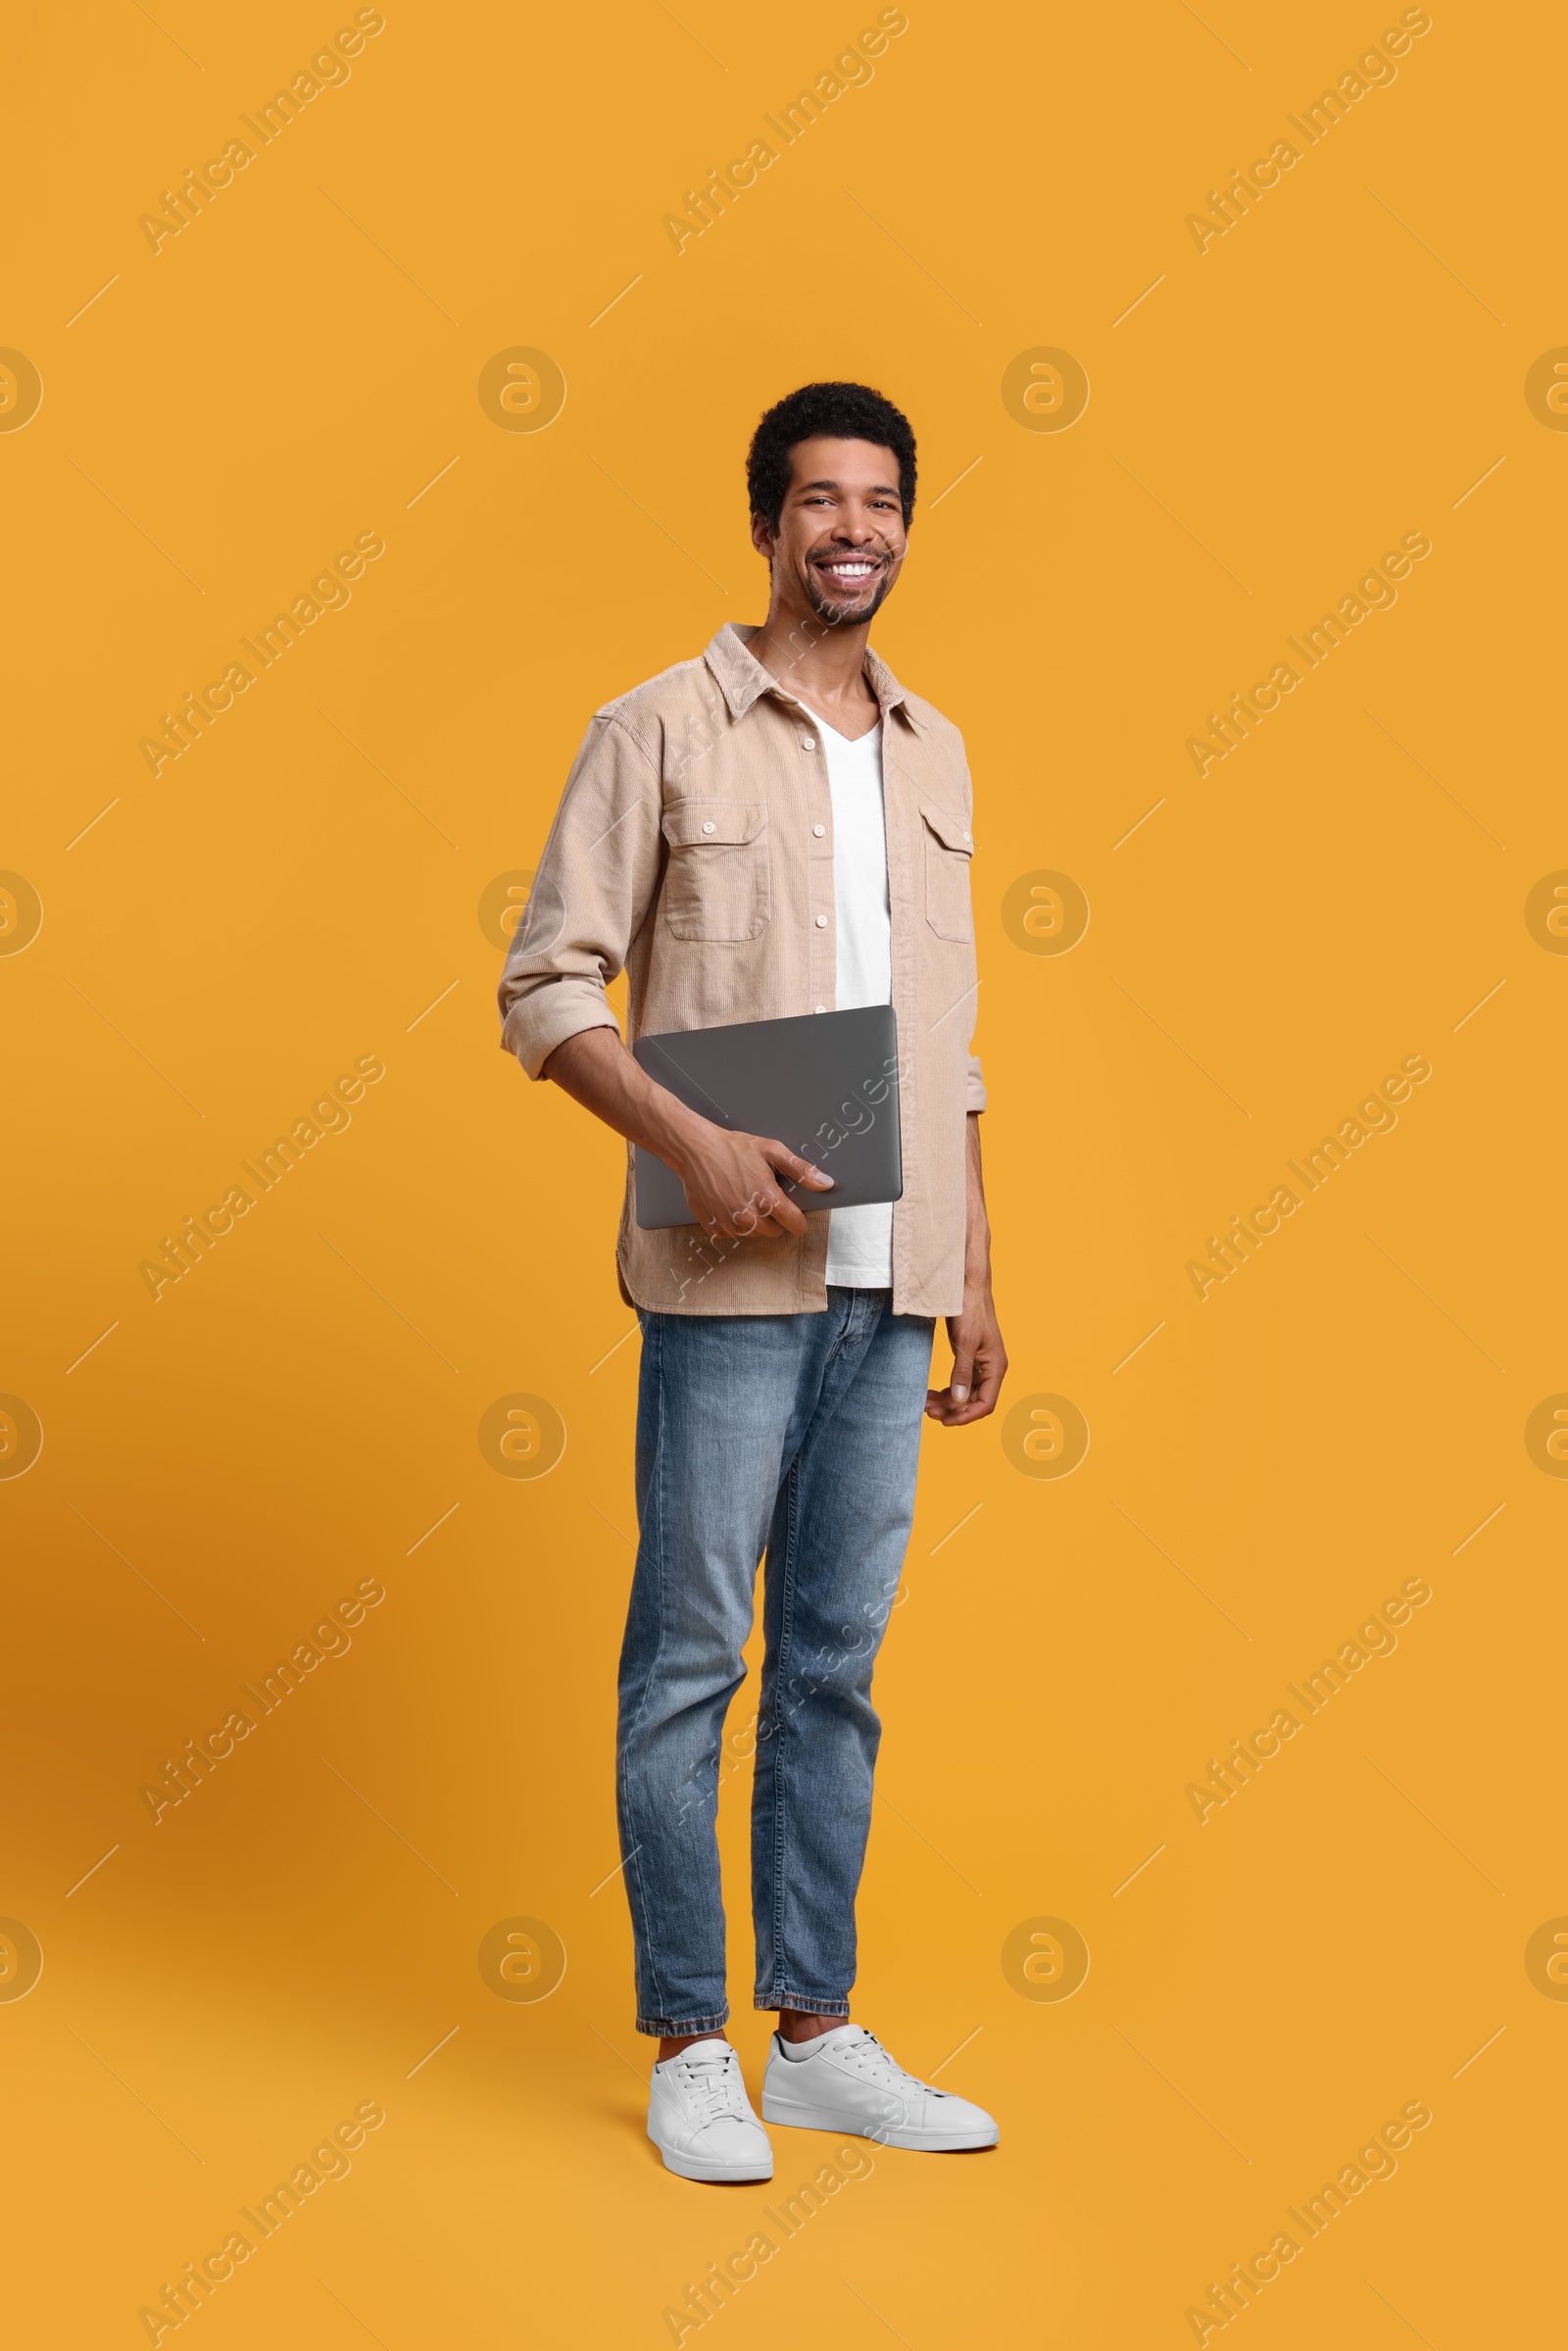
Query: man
[776,828]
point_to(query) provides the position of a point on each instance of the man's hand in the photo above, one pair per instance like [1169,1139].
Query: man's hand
[731,1182]
[979,1360]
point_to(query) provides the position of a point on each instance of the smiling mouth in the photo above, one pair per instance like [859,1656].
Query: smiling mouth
[848,570]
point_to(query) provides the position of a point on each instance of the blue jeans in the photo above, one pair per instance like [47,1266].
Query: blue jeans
[800,1433]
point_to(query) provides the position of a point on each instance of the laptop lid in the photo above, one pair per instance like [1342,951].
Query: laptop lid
[824,1083]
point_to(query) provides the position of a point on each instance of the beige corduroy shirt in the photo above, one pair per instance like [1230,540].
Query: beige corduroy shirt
[693,847]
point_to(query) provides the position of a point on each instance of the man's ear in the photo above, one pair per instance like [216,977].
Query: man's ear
[763,536]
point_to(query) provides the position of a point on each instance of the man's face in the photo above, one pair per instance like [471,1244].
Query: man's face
[840,543]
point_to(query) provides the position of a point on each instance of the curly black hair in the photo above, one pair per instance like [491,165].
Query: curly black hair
[844,412]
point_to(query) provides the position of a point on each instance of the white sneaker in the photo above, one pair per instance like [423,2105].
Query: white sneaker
[700,2120]
[850,2084]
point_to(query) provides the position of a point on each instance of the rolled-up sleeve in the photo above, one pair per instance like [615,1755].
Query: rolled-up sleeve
[590,897]
[974,1094]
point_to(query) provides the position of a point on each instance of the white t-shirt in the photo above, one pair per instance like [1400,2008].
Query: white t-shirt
[859,1248]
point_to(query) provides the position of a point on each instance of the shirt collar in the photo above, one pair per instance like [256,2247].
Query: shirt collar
[743,681]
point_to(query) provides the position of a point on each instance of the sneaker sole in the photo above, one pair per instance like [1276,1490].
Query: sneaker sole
[691,2167]
[886,2134]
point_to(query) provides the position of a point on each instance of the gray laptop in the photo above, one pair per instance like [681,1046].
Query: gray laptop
[825,1083]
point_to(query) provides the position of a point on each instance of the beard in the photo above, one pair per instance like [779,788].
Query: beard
[838,614]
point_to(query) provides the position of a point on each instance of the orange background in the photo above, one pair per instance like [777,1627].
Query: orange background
[301,888]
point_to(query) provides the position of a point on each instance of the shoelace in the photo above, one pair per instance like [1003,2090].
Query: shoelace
[715,2084]
[868,2056]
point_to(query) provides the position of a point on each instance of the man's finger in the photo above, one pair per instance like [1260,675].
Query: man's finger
[989,1370]
[982,1400]
[963,1368]
[772,1215]
[801,1170]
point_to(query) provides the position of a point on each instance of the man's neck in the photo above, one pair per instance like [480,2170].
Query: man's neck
[821,666]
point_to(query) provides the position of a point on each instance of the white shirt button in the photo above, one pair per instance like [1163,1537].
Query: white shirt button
[819,830]
[822,1007]
[807,742]
[821,922]
[968,844]
[707,826]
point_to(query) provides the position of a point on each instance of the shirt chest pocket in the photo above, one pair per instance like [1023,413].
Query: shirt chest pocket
[717,883]
[947,850]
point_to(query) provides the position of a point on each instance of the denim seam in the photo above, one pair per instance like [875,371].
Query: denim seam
[780,1759]
[822,1421]
[669,2027]
[814,1436]
[819,1424]
[638,1896]
[810,2003]
[841,1342]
